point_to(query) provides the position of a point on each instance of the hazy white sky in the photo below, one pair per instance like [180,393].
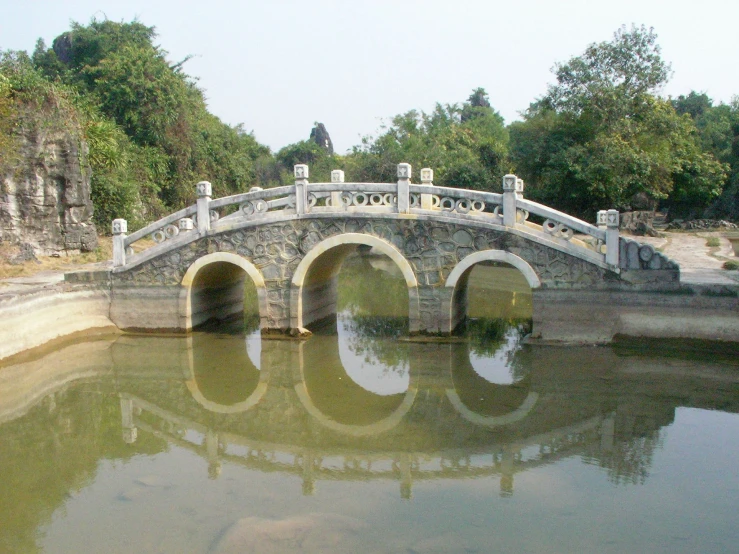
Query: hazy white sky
[278,66]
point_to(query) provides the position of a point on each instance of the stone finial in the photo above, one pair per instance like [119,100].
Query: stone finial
[612,219]
[519,185]
[427,176]
[337,176]
[301,171]
[204,189]
[185,224]
[601,218]
[404,171]
[509,183]
[120,226]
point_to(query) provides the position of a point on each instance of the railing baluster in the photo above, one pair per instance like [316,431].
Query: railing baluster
[404,181]
[205,190]
[120,228]
[427,178]
[337,176]
[301,188]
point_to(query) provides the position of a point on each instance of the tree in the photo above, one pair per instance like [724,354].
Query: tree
[601,134]
[718,128]
[466,146]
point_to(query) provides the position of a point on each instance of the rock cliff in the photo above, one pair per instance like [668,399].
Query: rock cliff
[45,195]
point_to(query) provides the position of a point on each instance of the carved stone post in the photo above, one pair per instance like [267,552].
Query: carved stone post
[120,228]
[601,219]
[510,186]
[301,188]
[404,181]
[337,176]
[612,221]
[427,178]
[205,190]
[185,224]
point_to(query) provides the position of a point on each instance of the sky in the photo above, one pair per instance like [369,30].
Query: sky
[278,66]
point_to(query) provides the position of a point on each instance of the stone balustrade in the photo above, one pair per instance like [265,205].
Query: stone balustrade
[595,243]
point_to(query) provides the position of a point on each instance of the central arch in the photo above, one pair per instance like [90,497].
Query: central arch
[313,292]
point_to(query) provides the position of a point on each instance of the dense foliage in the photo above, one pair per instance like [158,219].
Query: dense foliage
[466,146]
[601,137]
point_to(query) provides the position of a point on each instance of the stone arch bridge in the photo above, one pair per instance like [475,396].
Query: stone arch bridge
[291,240]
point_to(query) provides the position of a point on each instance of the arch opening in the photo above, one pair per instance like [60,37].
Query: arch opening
[491,304]
[223,288]
[315,284]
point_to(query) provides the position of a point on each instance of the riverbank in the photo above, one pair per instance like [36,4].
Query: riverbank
[74,298]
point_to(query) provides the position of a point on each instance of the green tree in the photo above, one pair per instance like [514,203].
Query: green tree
[466,146]
[601,134]
[718,127]
[150,132]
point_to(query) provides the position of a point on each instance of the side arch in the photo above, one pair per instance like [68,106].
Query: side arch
[454,301]
[210,260]
[494,256]
[348,240]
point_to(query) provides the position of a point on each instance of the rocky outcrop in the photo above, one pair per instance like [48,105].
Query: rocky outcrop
[45,196]
[320,136]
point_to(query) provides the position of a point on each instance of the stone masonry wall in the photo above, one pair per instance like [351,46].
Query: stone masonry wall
[432,249]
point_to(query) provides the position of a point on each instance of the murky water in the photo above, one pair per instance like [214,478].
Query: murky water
[358,441]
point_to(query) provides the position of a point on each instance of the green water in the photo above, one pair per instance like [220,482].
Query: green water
[359,441]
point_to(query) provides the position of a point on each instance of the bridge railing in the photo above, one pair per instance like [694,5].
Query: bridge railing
[509,209]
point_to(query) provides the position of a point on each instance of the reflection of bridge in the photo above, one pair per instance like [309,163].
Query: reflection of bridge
[290,241]
[331,464]
[440,433]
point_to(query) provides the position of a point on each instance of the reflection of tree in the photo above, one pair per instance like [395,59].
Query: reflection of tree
[53,452]
[371,337]
[487,336]
[374,310]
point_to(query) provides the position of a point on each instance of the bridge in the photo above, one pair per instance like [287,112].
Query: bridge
[191,266]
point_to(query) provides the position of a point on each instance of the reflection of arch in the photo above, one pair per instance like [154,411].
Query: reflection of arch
[492,421]
[247,403]
[482,402]
[314,270]
[224,272]
[493,256]
[329,357]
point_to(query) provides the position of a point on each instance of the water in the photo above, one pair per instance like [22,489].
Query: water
[359,441]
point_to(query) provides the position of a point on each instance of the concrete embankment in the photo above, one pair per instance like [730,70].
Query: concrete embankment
[40,310]
[46,308]
[700,312]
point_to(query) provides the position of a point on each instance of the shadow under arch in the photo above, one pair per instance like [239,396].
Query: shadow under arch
[213,288]
[321,354]
[482,402]
[456,284]
[313,287]
[232,353]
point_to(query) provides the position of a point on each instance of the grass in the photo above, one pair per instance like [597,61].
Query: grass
[713,242]
[731,265]
[103,252]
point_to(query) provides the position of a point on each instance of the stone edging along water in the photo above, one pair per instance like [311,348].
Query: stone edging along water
[80,305]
